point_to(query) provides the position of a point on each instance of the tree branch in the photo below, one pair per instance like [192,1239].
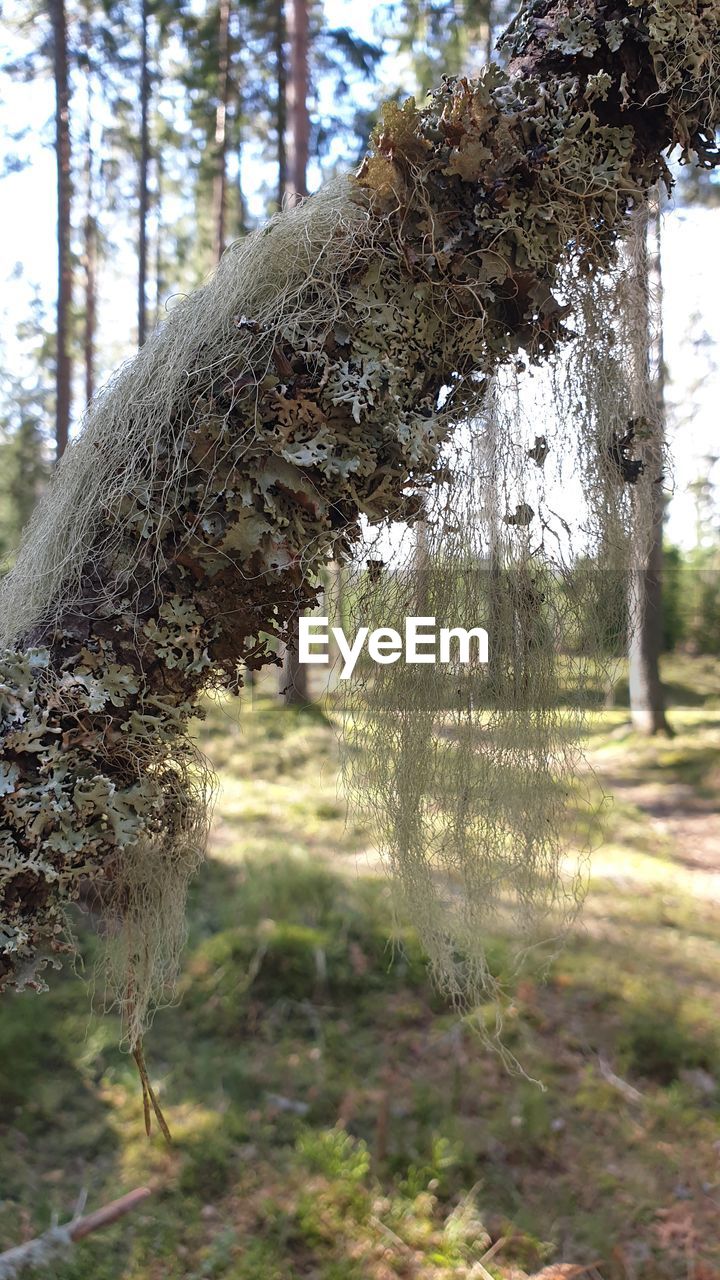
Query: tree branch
[55,1242]
[301,392]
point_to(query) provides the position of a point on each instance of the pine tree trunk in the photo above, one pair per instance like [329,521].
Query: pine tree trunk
[647,697]
[297,98]
[143,199]
[294,679]
[280,100]
[90,267]
[221,111]
[241,221]
[63,359]
[334,607]
[159,272]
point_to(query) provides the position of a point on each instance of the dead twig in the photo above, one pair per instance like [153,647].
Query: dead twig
[149,1097]
[628,1091]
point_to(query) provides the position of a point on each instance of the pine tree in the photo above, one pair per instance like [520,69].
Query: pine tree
[221,128]
[294,679]
[280,33]
[645,640]
[90,223]
[63,356]
[447,37]
[298,93]
[26,405]
[143,196]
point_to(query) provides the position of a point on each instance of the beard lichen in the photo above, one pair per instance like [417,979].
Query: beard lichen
[311,385]
[470,772]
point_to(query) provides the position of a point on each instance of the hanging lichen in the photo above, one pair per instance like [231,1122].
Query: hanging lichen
[312,383]
[463,768]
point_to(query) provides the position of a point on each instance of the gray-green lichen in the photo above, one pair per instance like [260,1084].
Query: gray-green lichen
[311,384]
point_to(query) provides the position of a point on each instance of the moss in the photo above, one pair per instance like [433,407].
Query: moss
[207,1168]
[247,967]
[260,1258]
[660,1041]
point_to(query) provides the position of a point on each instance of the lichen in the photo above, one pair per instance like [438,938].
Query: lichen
[311,384]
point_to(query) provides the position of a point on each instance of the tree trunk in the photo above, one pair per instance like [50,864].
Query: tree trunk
[334,608]
[297,98]
[159,270]
[143,199]
[647,697]
[90,268]
[280,100]
[241,222]
[421,569]
[294,679]
[489,34]
[63,358]
[221,112]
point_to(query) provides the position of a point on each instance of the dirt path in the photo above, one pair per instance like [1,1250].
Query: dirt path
[687,825]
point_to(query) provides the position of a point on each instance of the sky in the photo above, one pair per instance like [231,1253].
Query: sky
[691,304]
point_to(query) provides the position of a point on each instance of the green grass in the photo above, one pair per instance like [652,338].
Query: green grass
[331,1118]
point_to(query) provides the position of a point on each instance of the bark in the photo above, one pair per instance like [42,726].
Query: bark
[489,33]
[242,219]
[159,264]
[334,608]
[294,684]
[241,225]
[51,1248]
[221,116]
[647,696]
[90,270]
[63,358]
[298,26]
[294,678]
[143,191]
[421,568]
[445,264]
[281,100]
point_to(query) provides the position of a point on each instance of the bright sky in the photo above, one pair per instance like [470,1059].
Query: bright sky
[691,295]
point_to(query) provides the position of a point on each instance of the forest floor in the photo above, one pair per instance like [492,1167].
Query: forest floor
[331,1118]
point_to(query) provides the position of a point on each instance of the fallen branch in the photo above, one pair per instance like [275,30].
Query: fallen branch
[628,1091]
[45,1249]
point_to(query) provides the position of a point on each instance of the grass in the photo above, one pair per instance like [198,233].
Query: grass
[331,1118]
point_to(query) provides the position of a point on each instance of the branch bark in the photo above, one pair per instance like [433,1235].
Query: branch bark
[45,1250]
[303,391]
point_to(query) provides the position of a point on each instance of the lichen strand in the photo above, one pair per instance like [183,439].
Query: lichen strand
[296,393]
